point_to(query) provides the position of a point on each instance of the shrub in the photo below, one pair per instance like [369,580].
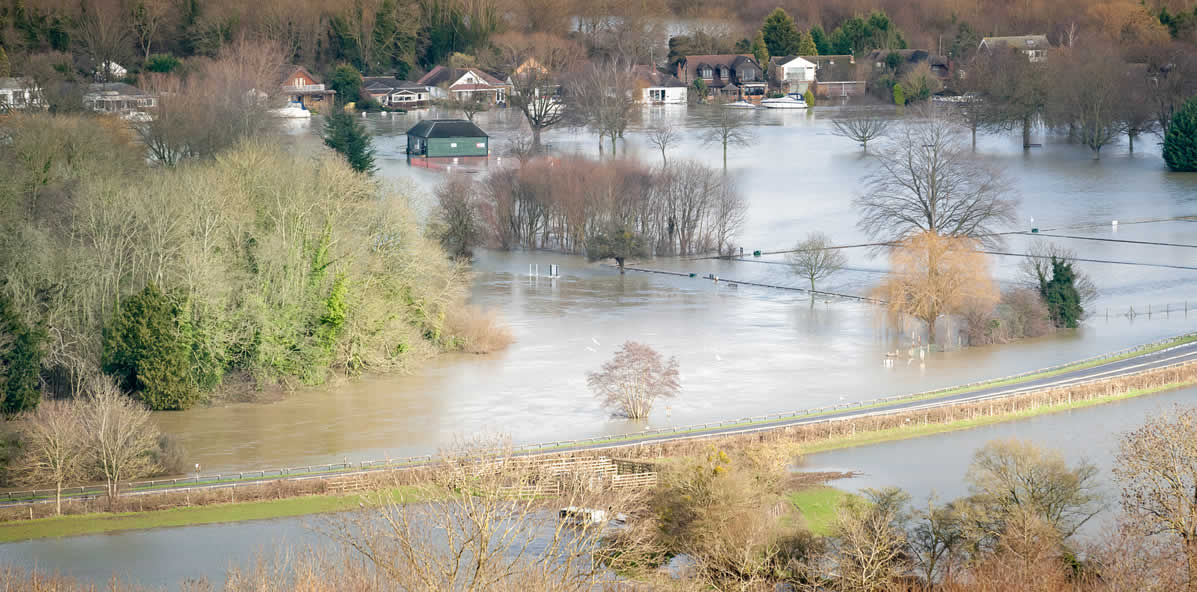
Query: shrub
[347,82]
[477,331]
[810,98]
[1061,296]
[345,134]
[899,96]
[163,63]
[148,354]
[1180,143]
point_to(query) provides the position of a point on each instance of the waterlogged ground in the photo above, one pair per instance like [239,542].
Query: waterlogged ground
[743,351]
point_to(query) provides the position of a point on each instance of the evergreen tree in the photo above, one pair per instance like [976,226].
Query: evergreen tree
[1180,143]
[760,51]
[819,37]
[899,95]
[780,34]
[347,82]
[1061,296]
[806,46]
[809,97]
[5,69]
[148,354]
[394,42]
[20,360]
[345,134]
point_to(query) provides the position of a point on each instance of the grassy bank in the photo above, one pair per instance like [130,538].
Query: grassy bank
[102,522]
[818,507]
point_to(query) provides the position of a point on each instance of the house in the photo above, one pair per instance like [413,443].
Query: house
[907,59]
[657,87]
[1035,47]
[836,76]
[392,93]
[466,83]
[447,137]
[791,73]
[726,74]
[118,98]
[109,71]
[19,93]
[302,87]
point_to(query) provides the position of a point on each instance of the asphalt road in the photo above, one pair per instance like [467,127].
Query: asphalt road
[1137,363]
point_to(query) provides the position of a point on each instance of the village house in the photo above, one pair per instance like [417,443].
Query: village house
[1035,47]
[657,87]
[791,74]
[437,138]
[466,83]
[19,93]
[117,98]
[405,94]
[302,87]
[907,59]
[836,76]
[730,75]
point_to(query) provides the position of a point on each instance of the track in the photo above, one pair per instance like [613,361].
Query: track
[1170,356]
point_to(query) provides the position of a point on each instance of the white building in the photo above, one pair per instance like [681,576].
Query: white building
[658,88]
[19,93]
[792,73]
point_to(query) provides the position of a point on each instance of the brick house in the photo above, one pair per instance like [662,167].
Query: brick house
[728,75]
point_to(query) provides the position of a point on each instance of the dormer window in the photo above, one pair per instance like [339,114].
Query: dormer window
[723,72]
[706,72]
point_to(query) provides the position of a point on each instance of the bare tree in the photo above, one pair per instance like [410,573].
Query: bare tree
[936,539]
[456,216]
[871,541]
[119,435]
[603,97]
[728,214]
[634,379]
[927,182]
[520,146]
[51,447]
[1157,467]
[1017,91]
[103,30]
[469,104]
[726,127]
[861,126]
[148,17]
[486,519]
[662,136]
[536,63]
[1085,95]
[815,258]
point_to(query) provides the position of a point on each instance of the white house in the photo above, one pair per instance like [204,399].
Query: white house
[657,87]
[792,73]
[19,93]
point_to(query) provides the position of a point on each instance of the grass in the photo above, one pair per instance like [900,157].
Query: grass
[818,506]
[102,522]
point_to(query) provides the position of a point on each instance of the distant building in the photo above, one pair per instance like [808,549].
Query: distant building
[304,88]
[117,98]
[467,83]
[726,74]
[435,138]
[791,73]
[394,93]
[19,93]
[836,76]
[657,87]
[1035,47]
[908,58]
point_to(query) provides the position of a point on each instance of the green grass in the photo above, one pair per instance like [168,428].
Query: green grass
[818,507]
[101,522]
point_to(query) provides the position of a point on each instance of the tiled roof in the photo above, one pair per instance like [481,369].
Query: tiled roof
[446,128]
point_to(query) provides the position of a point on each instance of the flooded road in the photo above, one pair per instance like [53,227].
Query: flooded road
[743,351]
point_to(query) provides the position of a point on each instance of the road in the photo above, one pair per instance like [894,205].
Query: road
[1063,376]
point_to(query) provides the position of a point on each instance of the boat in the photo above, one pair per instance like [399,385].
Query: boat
[740,104]
[292,111]
[788,102]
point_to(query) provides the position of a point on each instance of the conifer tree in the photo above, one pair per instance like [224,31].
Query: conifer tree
[1180,143]
[780,34]
[345,134]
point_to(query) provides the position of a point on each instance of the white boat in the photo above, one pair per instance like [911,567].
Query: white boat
[292,111]
[789,102]
[740,104]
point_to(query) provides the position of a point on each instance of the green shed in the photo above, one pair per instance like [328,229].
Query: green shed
[447,137]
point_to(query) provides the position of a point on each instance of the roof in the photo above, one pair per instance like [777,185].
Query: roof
[1018,42]
[733,61]
[288,71]
[446,128]
[655,77]
[834,68]
[781,61]
[115,88]
[909,55]
[17,83]
[443,75]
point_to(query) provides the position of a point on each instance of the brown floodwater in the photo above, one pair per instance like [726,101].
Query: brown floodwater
[743,351]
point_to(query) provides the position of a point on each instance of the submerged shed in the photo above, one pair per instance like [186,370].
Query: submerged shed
[447,137]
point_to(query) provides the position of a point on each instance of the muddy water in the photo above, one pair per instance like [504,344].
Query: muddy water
[743,351]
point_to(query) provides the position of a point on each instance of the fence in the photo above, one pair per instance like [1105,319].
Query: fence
[1151,311]
[710,429]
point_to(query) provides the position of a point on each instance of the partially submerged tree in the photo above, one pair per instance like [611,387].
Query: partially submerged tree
[634,379]
[536,63]
[815,258]
[1086,95]
[861,126]
[602,96]
[456,216]
[933,275]
[345,133]
[470,104]
[1180,143]
[618,242]
[927,182]
[726,127]
[662,136]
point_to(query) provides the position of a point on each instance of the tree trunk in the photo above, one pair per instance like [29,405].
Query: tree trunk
[1026,132]
[930,333]
[1131,139]
[619,261]
[58,499]
[725,155]
[613,154]
[535,139]
[974,130]
[812,290]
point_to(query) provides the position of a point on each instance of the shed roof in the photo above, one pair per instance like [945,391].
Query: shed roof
[652,77]
[446,128]
[1018,42]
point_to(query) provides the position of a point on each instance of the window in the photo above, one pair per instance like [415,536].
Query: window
[723,72]
[18,97]
[748,74]
[480,145]
[656,94]
[706,72]
[452,144]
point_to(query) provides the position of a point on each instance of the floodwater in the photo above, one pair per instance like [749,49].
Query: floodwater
[743,351]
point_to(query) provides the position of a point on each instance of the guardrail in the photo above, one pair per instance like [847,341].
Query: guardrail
[752,423]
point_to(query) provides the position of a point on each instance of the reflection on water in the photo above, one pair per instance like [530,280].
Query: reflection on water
[744,351]
[937,464]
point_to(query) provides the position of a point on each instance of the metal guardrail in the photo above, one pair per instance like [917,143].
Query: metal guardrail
[755,423]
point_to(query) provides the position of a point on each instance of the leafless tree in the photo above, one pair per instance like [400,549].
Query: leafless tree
[728,214]
[485,519]
[103,30]
[634,379]
[456,216]
[662,136]
[927,182]
[871,541]
[51,447]
[1157,467]
[520,146]
[469,104]
[603,96]
[861,126]
[1135,109]
[148,18]
[536,63]
[1171,80]
[1086,95]
[171,132]
[936,540]
[815,258]
[1036,269]
[118,434]
[1016,90]
[726,127]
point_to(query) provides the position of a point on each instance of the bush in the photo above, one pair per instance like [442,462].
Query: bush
[899,96]
[347,82]
[810,98]
[1180,143]
[148,354]
[163,63]
[1061,296]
